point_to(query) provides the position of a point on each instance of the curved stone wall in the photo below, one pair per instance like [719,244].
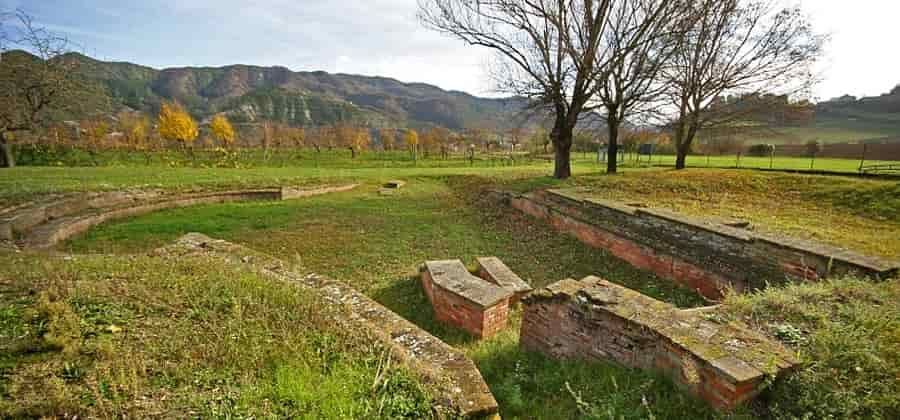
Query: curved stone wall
[44,223]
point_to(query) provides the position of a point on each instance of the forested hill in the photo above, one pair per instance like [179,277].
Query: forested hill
[251,93]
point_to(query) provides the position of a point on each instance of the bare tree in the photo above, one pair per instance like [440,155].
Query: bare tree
[747,47]
[34,82]
[640,38]
[549,52]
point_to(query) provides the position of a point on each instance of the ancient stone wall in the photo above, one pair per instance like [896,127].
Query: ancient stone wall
[592,319]
[706,255]
[44,223]
[451,376]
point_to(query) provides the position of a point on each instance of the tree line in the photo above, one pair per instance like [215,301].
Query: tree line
[666,61]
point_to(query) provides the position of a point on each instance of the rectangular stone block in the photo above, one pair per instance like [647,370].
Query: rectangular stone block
[463,300]
[495,271]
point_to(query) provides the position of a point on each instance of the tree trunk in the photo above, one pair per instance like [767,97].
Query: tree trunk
[680,158]
[7,159]
[562,146]
[612,160]
[683,139]
[562,168]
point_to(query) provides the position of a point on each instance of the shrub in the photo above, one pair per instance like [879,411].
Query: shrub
[761,150]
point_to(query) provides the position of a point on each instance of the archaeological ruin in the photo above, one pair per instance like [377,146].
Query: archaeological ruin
[724,363]
[705,254]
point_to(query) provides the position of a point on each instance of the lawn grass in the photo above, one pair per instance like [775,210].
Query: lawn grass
[376,243]
[112,337]
[25,182]
[860,214]
[847,332]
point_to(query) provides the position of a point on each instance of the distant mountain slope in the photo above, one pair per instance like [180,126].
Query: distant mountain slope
[252,93]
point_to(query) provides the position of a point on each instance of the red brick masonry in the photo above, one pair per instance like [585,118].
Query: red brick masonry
[463,300]
[704,254]
[593,319]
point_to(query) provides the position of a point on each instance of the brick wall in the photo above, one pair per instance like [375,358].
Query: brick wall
[705,255]
[482,318]
[592,319]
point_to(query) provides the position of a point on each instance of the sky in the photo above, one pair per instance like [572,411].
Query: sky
[384,38]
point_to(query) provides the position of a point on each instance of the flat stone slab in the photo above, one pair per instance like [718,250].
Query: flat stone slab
[736,350]
[495,271]
[453,276]
[395,184]
[725,363]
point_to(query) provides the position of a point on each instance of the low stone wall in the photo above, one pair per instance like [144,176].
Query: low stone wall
[706,255]
[724,363]
[43,224]
[453,378]
[463,300]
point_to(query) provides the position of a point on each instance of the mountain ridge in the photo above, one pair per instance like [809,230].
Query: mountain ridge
[250,93]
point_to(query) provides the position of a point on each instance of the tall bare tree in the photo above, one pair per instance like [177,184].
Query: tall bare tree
[549,52]
[641,37]
[736,47]
[34,82]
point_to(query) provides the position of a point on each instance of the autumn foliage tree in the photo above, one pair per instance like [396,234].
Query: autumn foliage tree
[412,142]
[135,128]
[176,124]
[222,130]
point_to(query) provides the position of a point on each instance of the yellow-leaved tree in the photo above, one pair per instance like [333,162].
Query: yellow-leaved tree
[412,141]
[176,124]
[222,130]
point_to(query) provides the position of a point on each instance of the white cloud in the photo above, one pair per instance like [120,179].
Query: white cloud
[383,37]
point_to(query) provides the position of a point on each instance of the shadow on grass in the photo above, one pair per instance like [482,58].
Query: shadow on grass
[406,297]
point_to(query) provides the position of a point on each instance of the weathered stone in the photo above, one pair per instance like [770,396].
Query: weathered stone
[45,225]
[496,272]
[395,184]
[451,376]
[291,193]
[707,255]
[463,300]
[594,319]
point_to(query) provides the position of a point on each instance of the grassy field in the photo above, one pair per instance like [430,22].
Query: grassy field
[141,337]
[25,182]
[376,243]
[848,333]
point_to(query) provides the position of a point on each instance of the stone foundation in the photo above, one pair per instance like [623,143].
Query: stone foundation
[723,363]
[463,300]
[451,377]
[44,223]
[706,255]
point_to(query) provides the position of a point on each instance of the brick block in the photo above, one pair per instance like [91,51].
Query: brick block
[463,300]
[593,319]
